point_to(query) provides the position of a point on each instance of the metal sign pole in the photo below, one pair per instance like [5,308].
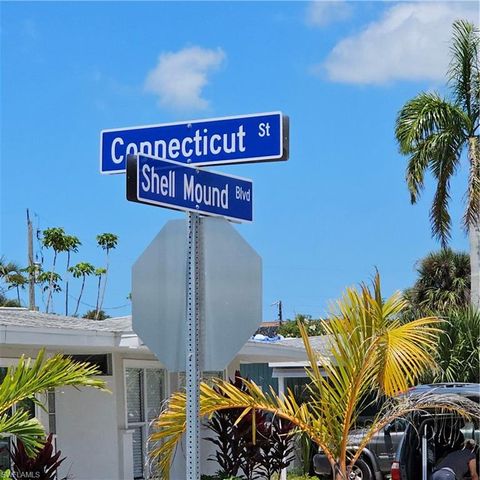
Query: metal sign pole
[192,350]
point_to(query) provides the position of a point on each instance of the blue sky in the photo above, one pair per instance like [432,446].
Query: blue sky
[324,220]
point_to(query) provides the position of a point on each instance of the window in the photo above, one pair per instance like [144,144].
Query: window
[103,362]
[145,394]
[4,455]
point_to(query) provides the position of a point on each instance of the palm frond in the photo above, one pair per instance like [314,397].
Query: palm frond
[30,377]
[458,353]
[444,165]
[29,430]
[408,350]
[464,69]
[424,115]
[432,132]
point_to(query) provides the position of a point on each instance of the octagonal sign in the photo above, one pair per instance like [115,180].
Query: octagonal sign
[230,294]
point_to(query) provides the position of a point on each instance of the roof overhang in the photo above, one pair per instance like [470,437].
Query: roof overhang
[64,337]
[265,352]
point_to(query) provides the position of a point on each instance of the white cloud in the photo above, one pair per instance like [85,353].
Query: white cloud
[179,77]
[410,42]
[321,12]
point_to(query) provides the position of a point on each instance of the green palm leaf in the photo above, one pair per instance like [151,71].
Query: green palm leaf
[29,430]
[463,73]
[431,131]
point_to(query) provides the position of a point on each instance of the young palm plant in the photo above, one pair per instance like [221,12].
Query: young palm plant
[370,350]
[30,377]
[458,354]
[434,131]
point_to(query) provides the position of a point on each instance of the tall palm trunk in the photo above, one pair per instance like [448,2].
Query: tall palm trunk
[50,283]
[80,295]
[97,309]
[66,283]
[100,305]
[474,228]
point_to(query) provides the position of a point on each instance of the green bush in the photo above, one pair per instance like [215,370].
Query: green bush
[290,329]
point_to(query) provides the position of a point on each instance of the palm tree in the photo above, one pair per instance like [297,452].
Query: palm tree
[370,350]
[443,283]
[107,241]
[95,315]
[82,269]
[54,238]
[99,272]
[31,377]
[434,131]
[50,281]
[8,302]
[17,281]
[12,275]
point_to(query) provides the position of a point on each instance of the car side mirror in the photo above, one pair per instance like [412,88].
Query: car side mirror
[388,428]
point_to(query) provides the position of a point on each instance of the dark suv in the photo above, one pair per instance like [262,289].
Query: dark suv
[432,434]
[378,458]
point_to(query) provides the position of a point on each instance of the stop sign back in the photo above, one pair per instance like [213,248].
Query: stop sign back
[230,299]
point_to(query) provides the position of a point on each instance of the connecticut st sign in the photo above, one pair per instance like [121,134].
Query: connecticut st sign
[217,141]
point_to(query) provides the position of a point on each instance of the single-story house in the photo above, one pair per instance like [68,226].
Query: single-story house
[103,436]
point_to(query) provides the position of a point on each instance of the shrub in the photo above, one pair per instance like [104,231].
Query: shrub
[269,454]
[43,466]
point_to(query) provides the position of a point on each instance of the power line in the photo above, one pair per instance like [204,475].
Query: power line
[94,306]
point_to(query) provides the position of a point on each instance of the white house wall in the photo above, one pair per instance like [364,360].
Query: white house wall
[87,432]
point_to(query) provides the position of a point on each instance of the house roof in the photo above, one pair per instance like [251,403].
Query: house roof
[22,327]
[21,317]
[19,326]
[319,343]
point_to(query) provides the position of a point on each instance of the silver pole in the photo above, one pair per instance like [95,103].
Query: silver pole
[193,370]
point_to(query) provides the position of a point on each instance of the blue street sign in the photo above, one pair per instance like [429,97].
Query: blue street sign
[183,187]
[217,141]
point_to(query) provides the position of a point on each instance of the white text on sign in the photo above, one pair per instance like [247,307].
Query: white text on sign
[201,143]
